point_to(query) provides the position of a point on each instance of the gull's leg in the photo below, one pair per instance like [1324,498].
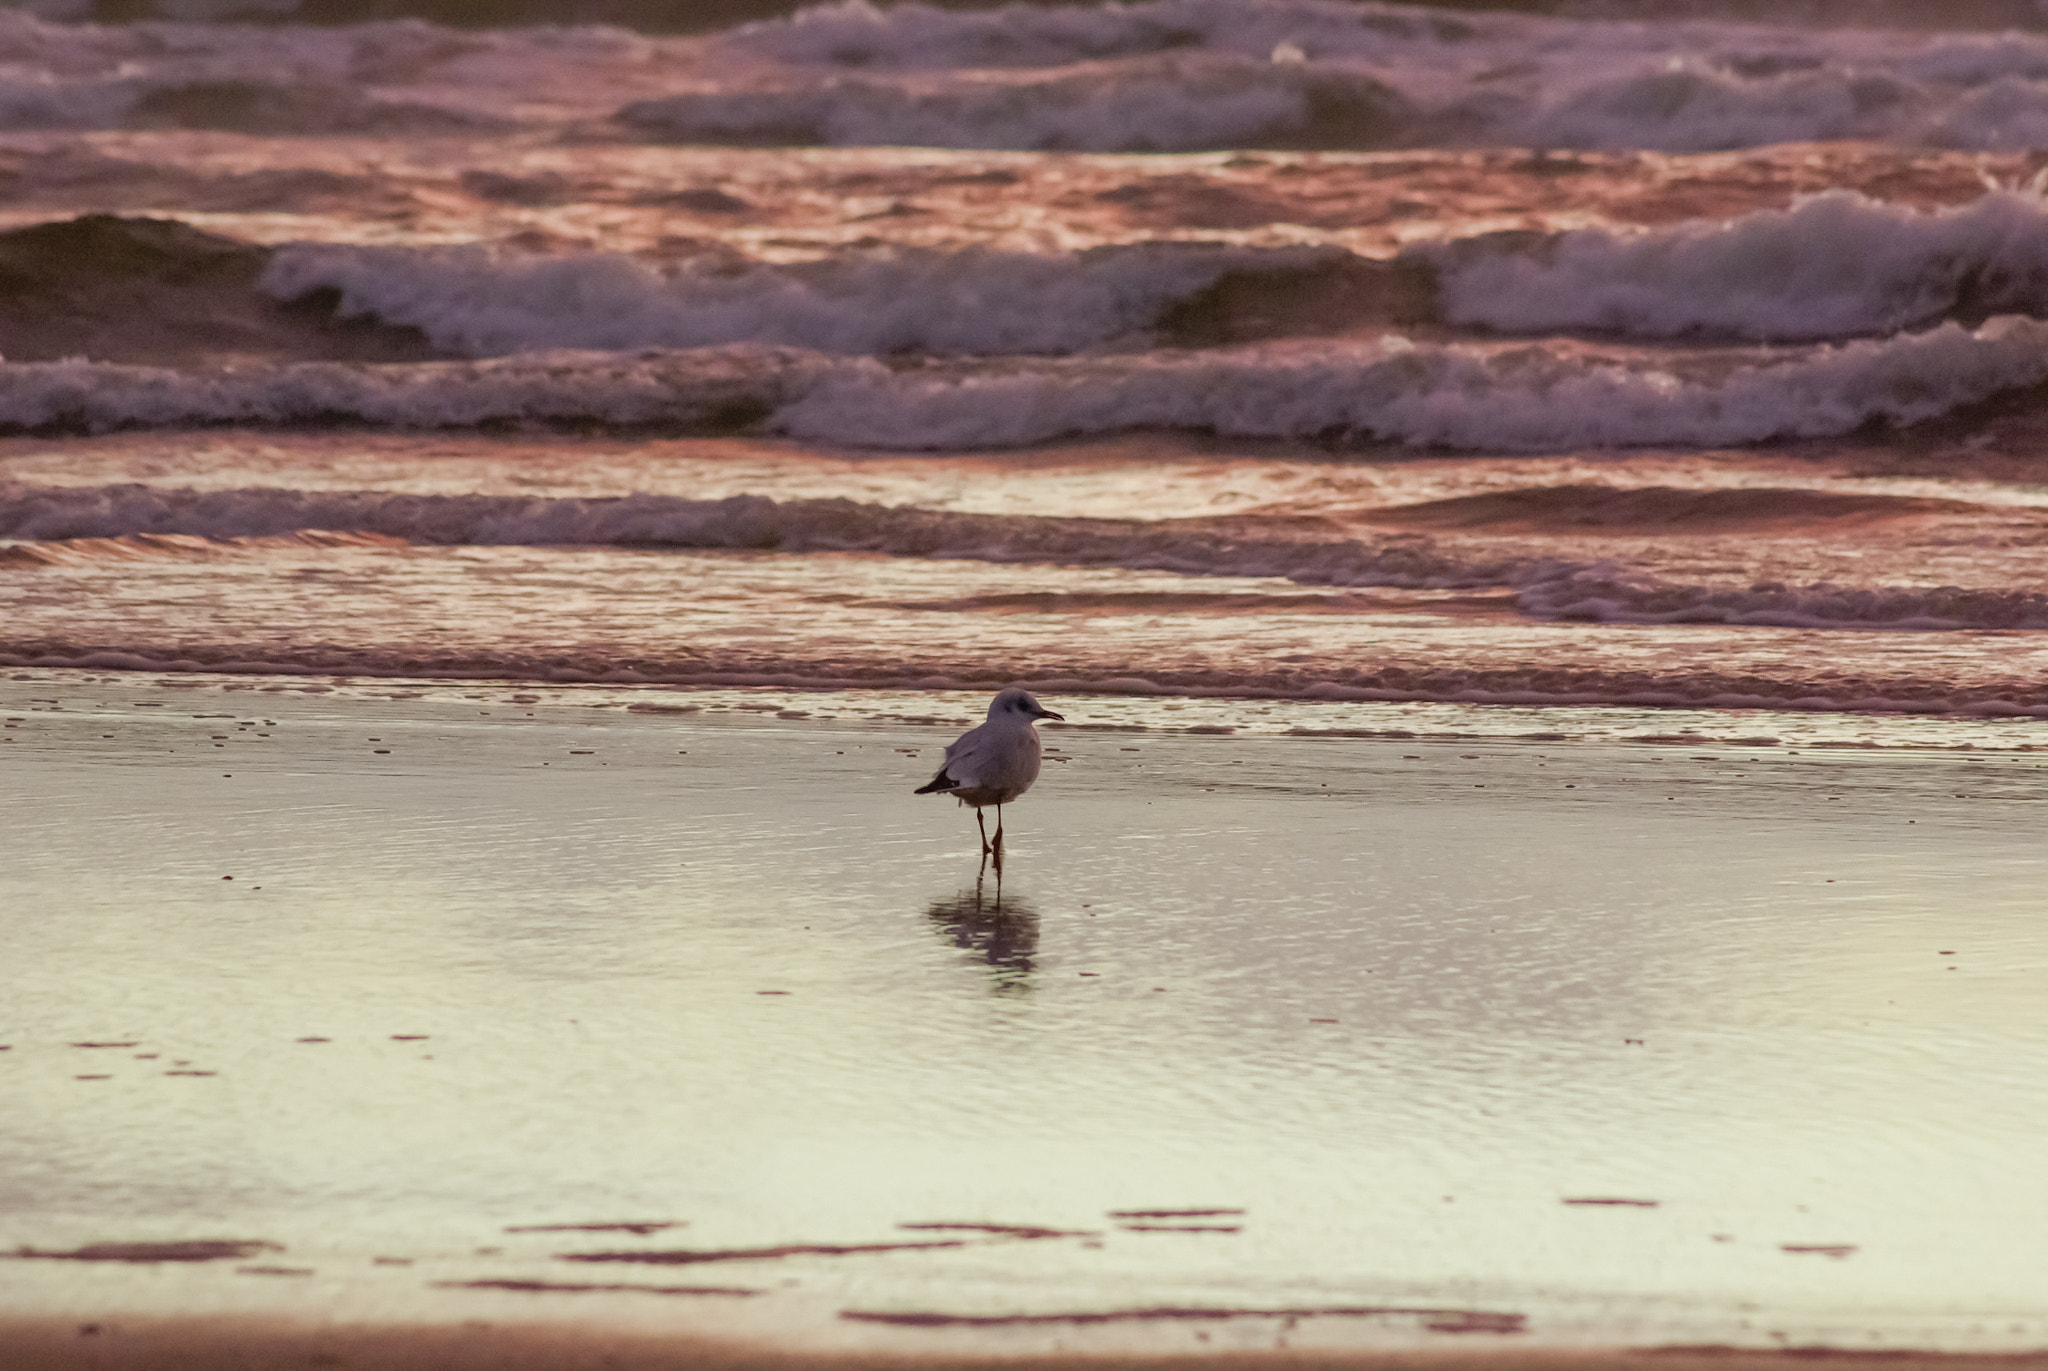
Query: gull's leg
[982,824]
[999,840]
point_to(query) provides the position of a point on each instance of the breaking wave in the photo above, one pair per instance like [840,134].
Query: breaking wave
[1172,103]
[473,301]
[1157,74]
[241,79]
[379,75]
[1600,595]
[1833,265]
[856,33]
[1524,399]
[1186,74]
[703,390]
[1531,398]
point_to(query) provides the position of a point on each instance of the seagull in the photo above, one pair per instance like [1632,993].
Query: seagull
[995,763]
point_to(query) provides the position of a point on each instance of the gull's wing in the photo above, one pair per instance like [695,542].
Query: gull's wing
[958,767]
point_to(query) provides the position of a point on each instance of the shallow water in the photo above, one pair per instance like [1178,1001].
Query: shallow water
[1388,1005]
[1512,320]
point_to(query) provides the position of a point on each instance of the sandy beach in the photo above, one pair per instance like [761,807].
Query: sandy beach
[418,1023]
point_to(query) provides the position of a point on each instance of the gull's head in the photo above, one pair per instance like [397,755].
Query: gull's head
[1017,701]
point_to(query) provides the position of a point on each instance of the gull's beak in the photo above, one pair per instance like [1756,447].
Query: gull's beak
[1044,713]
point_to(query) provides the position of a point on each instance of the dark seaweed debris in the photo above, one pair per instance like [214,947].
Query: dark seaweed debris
[638,1229]
[577,1288]
[1435,1320]
[199,1250]
[686,1256]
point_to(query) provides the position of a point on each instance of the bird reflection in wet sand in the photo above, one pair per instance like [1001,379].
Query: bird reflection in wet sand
[994,763]
[1004,933]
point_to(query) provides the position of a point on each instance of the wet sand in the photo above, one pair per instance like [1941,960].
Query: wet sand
[498,1025]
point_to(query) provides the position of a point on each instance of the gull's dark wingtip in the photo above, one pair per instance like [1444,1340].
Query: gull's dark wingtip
[937,783]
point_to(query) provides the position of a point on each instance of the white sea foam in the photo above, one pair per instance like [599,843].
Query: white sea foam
[1833,265]
[681,389]
[1524,399]
[470,300]
[1531,399]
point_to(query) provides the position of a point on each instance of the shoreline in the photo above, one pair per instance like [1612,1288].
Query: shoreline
[1118,706]
[1585,688]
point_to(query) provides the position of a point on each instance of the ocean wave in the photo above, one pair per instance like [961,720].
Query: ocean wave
[1525,399]
[665,16]
[383,78]
[1676,688]
[1177,102]
[1196,101]
[230,103]
[1531,398]
[1154,75]
[59,525]
[706,389]
[50,514]
[473,301]
[134,547]
[1188,74]
[1160,75]
[1703,109]
[1833,265]
[1587,507]
[857,33]
[1600,595]
[1590,43]
[1673,689]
